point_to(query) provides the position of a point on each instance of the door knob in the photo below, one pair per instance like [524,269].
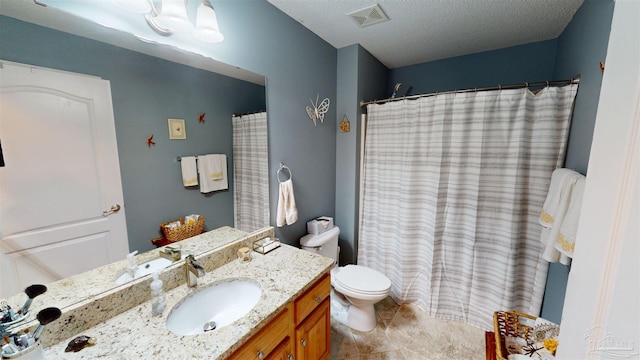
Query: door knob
[114,209]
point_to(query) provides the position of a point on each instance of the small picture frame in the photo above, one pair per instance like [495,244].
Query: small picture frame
[177,130]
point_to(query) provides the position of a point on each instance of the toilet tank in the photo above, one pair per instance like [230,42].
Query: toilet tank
[325,244]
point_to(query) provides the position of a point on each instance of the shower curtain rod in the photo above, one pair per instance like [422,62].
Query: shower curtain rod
[575,80]
[249,113]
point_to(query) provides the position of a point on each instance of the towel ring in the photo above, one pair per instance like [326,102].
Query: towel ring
[283,167]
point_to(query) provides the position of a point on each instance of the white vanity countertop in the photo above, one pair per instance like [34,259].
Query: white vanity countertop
[283,274]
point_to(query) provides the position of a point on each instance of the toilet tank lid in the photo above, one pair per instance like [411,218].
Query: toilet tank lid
[313,240]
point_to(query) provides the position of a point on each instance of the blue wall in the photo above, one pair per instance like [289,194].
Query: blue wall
[299,66]
[514,65]
[146,91]
[581,47]
[360,76]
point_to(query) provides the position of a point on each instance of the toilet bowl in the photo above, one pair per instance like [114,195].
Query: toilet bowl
[355,288]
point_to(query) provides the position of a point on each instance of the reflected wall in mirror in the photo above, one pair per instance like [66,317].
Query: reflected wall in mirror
[146,91]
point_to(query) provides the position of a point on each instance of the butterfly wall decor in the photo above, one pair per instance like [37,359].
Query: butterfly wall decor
[316,111]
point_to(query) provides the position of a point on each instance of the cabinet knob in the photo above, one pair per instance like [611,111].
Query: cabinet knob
[303,342]
[318,299]
[290,357]
[260,355]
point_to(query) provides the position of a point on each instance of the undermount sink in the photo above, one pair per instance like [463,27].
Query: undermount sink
[213,307]
[146,268]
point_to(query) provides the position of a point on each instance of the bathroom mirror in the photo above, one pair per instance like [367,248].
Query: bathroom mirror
[150,83]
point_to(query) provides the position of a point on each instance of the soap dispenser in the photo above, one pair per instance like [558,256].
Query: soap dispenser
[132,267]
[158,300]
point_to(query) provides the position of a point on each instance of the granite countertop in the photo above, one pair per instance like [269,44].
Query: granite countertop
[80,288]
[283,274]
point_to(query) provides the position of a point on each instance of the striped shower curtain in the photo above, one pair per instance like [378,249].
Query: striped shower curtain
[452,190]
[250,171]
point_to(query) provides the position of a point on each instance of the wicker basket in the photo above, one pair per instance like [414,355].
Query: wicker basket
[183,231]
[510,323]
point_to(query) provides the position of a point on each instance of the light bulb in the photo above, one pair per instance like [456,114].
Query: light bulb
[207,29]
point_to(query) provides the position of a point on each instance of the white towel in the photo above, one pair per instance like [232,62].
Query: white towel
[554,200]
[209,167]
[189,171]
[566,239]
[287,213]
[218,163]
[553,212]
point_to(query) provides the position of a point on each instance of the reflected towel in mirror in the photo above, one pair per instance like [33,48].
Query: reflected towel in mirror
[209,166]
[189,171]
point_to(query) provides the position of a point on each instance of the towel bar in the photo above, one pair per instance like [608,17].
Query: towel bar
[284,167]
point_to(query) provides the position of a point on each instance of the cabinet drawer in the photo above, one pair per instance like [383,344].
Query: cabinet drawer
[313,297]
[284,351]
[265,340]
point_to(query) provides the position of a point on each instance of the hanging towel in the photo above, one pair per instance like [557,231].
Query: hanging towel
[553,212]
[566,239]
[218,163]
[554,200]
[208,167]
[287,213]
[189,171]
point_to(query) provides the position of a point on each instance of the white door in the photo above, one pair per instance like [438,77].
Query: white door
[60,179]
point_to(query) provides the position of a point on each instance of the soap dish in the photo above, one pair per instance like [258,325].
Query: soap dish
[265,245]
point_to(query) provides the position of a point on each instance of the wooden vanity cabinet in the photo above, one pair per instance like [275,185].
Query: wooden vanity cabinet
[313,322]
[266,342]
[313,335]
[302,328]
[284,351]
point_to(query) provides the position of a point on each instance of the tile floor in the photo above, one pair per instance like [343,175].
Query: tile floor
[348,344]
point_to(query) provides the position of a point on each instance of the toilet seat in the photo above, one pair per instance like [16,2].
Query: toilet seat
[354,289]
[361,280]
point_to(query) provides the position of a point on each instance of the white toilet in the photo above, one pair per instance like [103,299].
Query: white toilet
[355,288]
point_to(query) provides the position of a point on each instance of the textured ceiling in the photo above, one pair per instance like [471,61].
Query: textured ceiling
[425,30]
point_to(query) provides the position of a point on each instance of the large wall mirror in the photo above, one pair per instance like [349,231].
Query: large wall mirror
[149,84]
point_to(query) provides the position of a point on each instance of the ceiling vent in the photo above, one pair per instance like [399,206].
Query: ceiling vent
[368,16]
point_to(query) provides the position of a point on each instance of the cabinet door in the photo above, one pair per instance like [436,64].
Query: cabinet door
[313,335]
[284,351]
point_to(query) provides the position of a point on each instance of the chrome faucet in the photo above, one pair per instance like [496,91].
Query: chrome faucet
[193,269]
[171,252]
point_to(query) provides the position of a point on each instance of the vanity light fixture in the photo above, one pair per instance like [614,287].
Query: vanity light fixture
[170,16]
